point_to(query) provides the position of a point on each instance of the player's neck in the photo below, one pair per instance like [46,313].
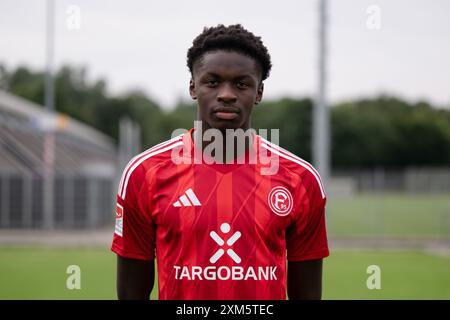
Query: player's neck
[233,144]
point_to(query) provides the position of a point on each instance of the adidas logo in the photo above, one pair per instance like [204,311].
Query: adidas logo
[188,199]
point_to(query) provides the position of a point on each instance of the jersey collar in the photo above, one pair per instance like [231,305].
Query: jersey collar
[242,160]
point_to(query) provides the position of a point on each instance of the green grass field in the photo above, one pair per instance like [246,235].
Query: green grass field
[41,274]
[37,273]
[390,215]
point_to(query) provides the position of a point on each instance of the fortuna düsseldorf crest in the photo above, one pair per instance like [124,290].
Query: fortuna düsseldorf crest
[280,201]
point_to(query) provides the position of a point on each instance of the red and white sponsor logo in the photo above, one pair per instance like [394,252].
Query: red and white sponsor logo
[119,220]
[280,201]
[214,272]
[225,228]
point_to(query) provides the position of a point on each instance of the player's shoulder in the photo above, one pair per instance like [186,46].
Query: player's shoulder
[294,164]
[138,166]
[154,155]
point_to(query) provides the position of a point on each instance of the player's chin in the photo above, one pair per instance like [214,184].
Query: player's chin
[223,125]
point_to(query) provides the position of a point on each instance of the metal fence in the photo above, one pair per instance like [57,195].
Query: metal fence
[79,201]
[424,180]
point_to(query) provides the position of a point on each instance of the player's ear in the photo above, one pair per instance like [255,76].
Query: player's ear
[192,89]
[259,93]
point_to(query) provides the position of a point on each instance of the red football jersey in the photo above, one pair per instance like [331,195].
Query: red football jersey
[220,231]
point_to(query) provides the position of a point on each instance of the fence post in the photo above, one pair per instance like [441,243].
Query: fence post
[4,210]
[27,218]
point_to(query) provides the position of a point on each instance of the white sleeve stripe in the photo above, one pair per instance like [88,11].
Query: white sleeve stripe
[130,163]
[142,159]
[290,154]
[162,144]
[298,162]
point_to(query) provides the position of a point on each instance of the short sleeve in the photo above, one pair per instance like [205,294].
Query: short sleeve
[134,234]
[306,237]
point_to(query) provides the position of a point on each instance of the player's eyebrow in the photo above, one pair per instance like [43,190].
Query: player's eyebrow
[210,74]
[239,77]
[243,76]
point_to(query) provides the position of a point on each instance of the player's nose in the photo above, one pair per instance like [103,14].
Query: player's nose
[226,94]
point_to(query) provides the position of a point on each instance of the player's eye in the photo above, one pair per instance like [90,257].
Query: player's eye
[241,85]
[212,83]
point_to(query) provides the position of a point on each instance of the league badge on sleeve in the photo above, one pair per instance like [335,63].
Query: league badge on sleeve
[119,220]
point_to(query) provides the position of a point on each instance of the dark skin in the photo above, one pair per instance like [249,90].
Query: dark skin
[229,82]
[304,280]
[227,85]
[135,278]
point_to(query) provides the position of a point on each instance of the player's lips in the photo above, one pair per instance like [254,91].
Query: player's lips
[226,113]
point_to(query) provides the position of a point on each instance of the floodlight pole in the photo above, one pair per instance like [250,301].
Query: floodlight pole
[321,120]
[49,135]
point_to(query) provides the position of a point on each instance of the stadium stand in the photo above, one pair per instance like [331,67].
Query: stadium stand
[84,168]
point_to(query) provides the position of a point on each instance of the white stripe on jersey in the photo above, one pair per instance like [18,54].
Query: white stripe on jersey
[310,169]
[142,159]
[277,147]
[159,145]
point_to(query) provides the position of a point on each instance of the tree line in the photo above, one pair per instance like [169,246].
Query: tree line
[365,133]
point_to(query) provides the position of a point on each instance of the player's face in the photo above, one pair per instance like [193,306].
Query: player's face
[227,85]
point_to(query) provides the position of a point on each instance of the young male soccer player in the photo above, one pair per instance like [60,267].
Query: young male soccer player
[220,229]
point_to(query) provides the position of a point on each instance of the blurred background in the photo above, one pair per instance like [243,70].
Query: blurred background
[361,90]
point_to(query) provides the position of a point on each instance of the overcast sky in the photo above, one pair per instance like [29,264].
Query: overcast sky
[398,47]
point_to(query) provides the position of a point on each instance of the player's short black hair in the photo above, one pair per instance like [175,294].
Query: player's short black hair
[233,38]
